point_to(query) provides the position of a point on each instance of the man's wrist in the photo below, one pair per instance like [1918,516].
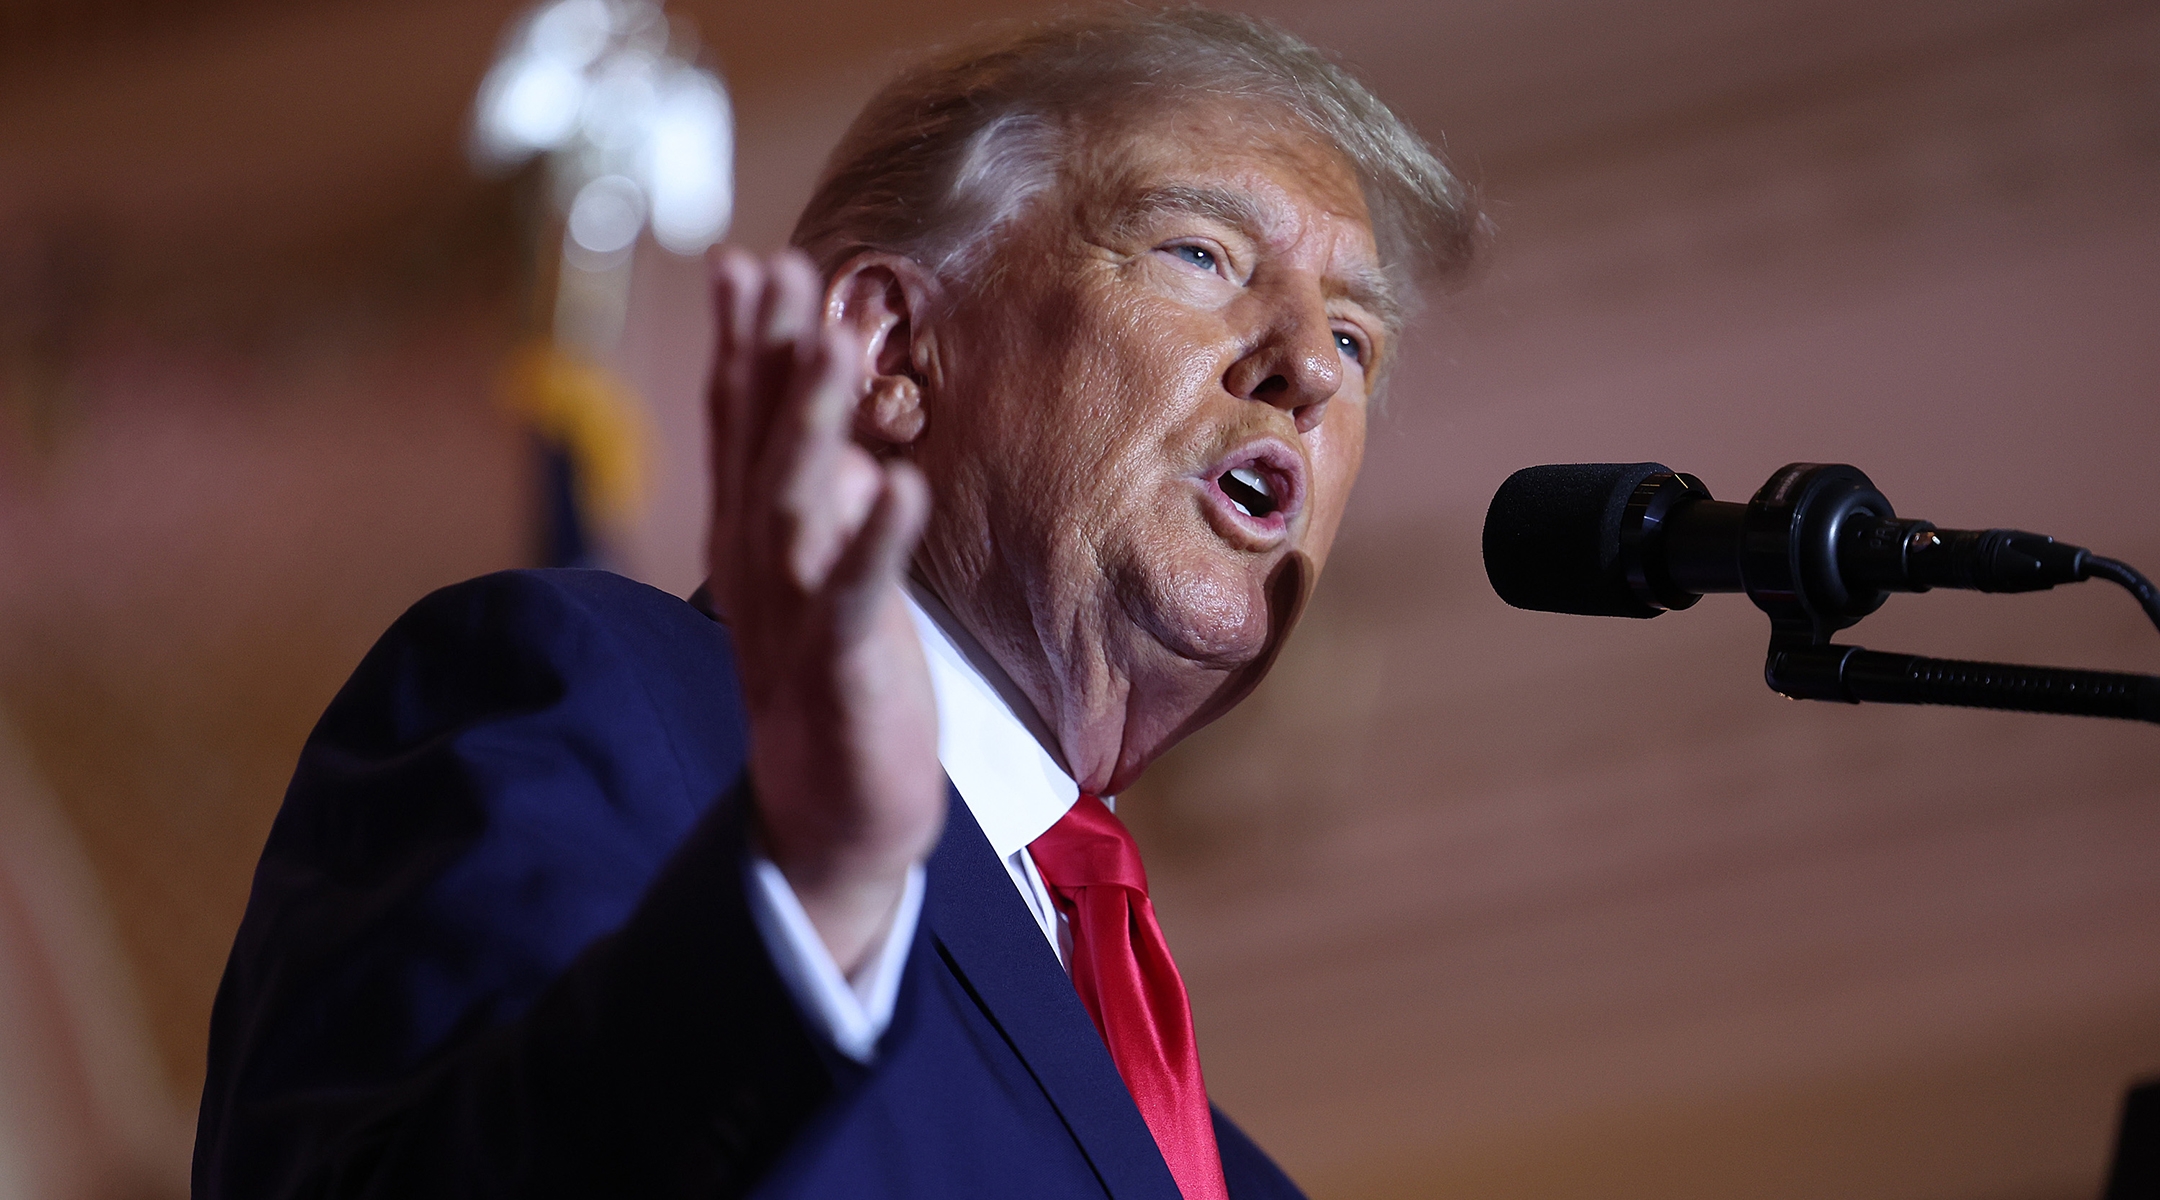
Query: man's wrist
[853,1009]
[849,892]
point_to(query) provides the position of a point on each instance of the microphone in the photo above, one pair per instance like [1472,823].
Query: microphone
[1638,539]
[1817,548]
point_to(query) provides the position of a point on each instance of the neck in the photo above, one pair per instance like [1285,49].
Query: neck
[985,664]
[1102,697]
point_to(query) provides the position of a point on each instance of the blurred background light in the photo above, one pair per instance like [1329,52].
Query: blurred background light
[690,163]
[607,214]
[608,90]
[530,103]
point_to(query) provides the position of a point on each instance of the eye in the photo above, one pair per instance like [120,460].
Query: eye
[1199,256]
[1351,347]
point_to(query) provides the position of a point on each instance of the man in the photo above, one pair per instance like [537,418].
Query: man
[1023,469]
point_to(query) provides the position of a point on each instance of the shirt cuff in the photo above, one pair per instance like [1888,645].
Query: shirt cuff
[852,1013]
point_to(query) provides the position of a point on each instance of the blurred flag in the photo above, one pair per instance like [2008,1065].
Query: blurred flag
[628,135]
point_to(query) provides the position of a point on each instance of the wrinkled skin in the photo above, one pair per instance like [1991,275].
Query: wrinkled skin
[1203,293]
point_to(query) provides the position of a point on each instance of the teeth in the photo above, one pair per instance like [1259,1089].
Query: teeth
[1248,491]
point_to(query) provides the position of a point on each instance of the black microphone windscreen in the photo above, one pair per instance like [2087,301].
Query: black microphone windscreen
[1552,538]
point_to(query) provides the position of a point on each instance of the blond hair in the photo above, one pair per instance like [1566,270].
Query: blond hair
[952,149]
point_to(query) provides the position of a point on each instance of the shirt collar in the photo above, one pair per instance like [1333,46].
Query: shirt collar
[990,740]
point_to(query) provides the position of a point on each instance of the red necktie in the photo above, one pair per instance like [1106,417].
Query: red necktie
[1130,986]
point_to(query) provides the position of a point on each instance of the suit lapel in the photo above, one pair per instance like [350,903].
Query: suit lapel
[993,944]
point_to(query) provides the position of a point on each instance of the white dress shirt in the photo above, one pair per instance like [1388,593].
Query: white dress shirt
[993,748]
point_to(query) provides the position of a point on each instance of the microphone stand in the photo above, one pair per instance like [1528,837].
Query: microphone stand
[1792,530]
[1805,671]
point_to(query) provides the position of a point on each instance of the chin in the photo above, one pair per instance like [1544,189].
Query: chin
[1213,614]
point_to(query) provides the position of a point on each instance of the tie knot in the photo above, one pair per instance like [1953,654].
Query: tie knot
[1089,846]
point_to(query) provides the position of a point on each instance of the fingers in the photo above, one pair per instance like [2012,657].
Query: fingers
[738,282]
[825,484]
[793,496]
[763,314]
[766,314]
[786,324]
[876,557]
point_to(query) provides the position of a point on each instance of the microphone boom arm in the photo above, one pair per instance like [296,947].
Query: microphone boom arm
[1803,670]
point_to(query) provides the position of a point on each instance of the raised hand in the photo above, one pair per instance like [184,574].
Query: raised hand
[810,539]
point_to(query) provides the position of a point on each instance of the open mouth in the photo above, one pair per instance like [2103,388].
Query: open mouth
[1250,491]
[1255,492]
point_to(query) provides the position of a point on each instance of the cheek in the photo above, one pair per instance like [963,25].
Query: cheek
[1123,421]
[1338,450]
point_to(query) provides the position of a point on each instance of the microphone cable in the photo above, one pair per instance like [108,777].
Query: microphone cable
[2117,571]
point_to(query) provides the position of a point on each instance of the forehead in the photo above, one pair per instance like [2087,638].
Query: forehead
[1241,162]
[1226,137]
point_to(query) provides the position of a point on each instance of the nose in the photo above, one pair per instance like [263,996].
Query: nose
[1293,364]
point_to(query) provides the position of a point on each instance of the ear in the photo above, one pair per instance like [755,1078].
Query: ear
[885,299]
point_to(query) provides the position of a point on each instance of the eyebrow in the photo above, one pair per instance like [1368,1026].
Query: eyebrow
[1365,285]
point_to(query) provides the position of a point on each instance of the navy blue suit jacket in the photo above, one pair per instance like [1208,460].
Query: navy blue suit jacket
[499,945]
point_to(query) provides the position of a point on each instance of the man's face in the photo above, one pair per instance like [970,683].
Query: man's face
[1148,415]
